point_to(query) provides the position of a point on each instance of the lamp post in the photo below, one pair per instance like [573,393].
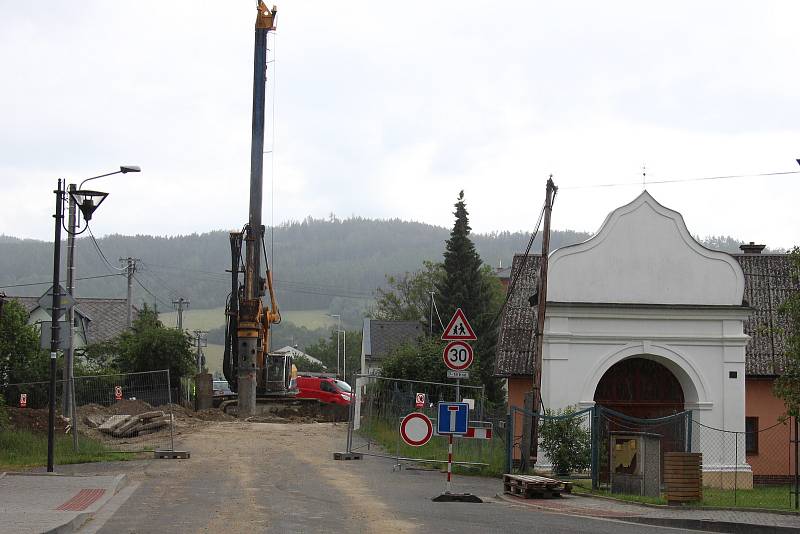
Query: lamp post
[338,329]
[87,201]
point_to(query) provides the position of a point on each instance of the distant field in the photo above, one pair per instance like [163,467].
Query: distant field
[215,317]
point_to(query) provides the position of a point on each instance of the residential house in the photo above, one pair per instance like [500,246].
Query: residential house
[380,338]
[295,352]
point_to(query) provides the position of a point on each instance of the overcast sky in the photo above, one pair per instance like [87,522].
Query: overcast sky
[387,109]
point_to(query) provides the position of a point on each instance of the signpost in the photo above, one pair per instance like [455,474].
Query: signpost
[458,353]
[416,429]
[453,420]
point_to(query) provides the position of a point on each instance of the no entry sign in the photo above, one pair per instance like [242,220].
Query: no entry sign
[416,429]
[457,355]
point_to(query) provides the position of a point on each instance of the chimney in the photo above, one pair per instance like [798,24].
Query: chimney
[752,248]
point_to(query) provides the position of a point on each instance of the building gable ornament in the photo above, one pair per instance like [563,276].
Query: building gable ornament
[644,253]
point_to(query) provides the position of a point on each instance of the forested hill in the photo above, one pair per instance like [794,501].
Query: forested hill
[316,263]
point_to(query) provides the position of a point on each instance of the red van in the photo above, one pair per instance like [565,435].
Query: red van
[327,390]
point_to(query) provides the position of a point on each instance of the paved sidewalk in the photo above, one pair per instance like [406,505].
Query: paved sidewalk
[52,503]
[709,520]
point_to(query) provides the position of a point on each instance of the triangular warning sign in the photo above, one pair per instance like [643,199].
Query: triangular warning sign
[459,328]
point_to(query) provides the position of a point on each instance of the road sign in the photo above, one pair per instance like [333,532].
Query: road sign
[457,355]
[457,374]
[420,402]
[416,429]
[46,335]
[23,400]
[118,392]
[458,328]
[453,418]
[65,301]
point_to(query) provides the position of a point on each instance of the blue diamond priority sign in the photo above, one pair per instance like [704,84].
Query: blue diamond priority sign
[453,418]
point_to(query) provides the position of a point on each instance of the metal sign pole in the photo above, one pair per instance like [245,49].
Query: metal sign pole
[458,390]
[449,486]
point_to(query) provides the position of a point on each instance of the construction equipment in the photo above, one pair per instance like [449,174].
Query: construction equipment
[248,366]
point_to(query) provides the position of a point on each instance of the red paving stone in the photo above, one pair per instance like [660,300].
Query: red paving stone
[82,500]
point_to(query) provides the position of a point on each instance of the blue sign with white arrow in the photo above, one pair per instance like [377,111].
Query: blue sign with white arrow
[453,418]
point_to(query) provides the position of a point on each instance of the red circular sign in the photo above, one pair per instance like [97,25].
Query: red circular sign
[457,355]
[416,429]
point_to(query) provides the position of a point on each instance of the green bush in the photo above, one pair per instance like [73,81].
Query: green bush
[565,440]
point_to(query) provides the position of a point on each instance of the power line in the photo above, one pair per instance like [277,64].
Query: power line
[162,301]
[681,180]
[50,282]
[100,252]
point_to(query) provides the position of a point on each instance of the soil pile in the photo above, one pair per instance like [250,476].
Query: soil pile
[35,420]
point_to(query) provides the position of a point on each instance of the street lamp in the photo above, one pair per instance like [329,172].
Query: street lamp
[87,201]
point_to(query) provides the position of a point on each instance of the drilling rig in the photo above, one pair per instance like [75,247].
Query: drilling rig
[248,366]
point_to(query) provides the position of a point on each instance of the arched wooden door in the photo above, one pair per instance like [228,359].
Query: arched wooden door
[641,388]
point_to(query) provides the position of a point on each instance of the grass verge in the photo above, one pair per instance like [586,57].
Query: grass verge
[763,497]
[491,452]
[21,448]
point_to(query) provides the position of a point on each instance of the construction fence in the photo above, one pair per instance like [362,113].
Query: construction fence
[382,403]
[752,469]
[128,412]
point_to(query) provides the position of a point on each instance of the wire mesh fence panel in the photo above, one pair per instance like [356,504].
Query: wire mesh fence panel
[129,412]
[382,403]
[751,469]
[672,432]
[564,443]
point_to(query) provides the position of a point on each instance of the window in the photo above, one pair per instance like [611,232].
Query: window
[751,436]
[326,386]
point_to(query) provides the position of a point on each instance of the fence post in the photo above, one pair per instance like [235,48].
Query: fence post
[796,468]
[509,440]
[73,409]
[689,432]
[735,466]
[171,416]
[595,452]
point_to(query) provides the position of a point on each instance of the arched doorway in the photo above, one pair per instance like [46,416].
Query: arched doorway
[640,387]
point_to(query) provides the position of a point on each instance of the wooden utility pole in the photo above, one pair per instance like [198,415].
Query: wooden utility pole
[129,271]
[530,439]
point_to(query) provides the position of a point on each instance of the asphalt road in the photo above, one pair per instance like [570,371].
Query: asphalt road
[282,479]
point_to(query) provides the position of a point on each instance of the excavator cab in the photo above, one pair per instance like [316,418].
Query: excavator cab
[279,375]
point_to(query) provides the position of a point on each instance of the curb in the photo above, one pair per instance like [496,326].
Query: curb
[689,507]
[120,481]
[707,525]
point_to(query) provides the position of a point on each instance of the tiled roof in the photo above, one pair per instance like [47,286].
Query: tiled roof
[385,336]
[107,317]
[767,284]
[514,350]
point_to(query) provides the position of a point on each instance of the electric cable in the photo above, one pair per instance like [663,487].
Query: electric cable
[162,301]
[50,282]
[681,180]
[100,251]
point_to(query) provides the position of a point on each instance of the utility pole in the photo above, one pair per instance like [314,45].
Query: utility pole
[533,401]
[201,340]
[130,269]
[54,339]
[70,350]
[179,305]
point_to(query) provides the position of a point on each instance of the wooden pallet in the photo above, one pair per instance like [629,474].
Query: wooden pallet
[535,487]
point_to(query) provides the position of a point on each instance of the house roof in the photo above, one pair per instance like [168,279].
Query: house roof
[382,337]
[295,352]
[107,317]
[767,284]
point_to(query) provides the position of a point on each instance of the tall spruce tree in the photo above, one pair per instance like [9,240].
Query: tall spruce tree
[468,286]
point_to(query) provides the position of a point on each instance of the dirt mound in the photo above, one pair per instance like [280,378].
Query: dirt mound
[129,407]
[34,420]
[212,414]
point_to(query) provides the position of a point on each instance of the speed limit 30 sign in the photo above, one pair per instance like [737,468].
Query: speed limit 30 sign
[457,355]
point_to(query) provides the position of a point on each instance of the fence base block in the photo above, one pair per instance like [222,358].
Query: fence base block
[172,455]
[347,456]
[456,497]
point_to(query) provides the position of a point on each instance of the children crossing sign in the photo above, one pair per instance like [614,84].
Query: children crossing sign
[459,329]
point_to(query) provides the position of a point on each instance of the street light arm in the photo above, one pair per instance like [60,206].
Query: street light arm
[124,170]
[96,177]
